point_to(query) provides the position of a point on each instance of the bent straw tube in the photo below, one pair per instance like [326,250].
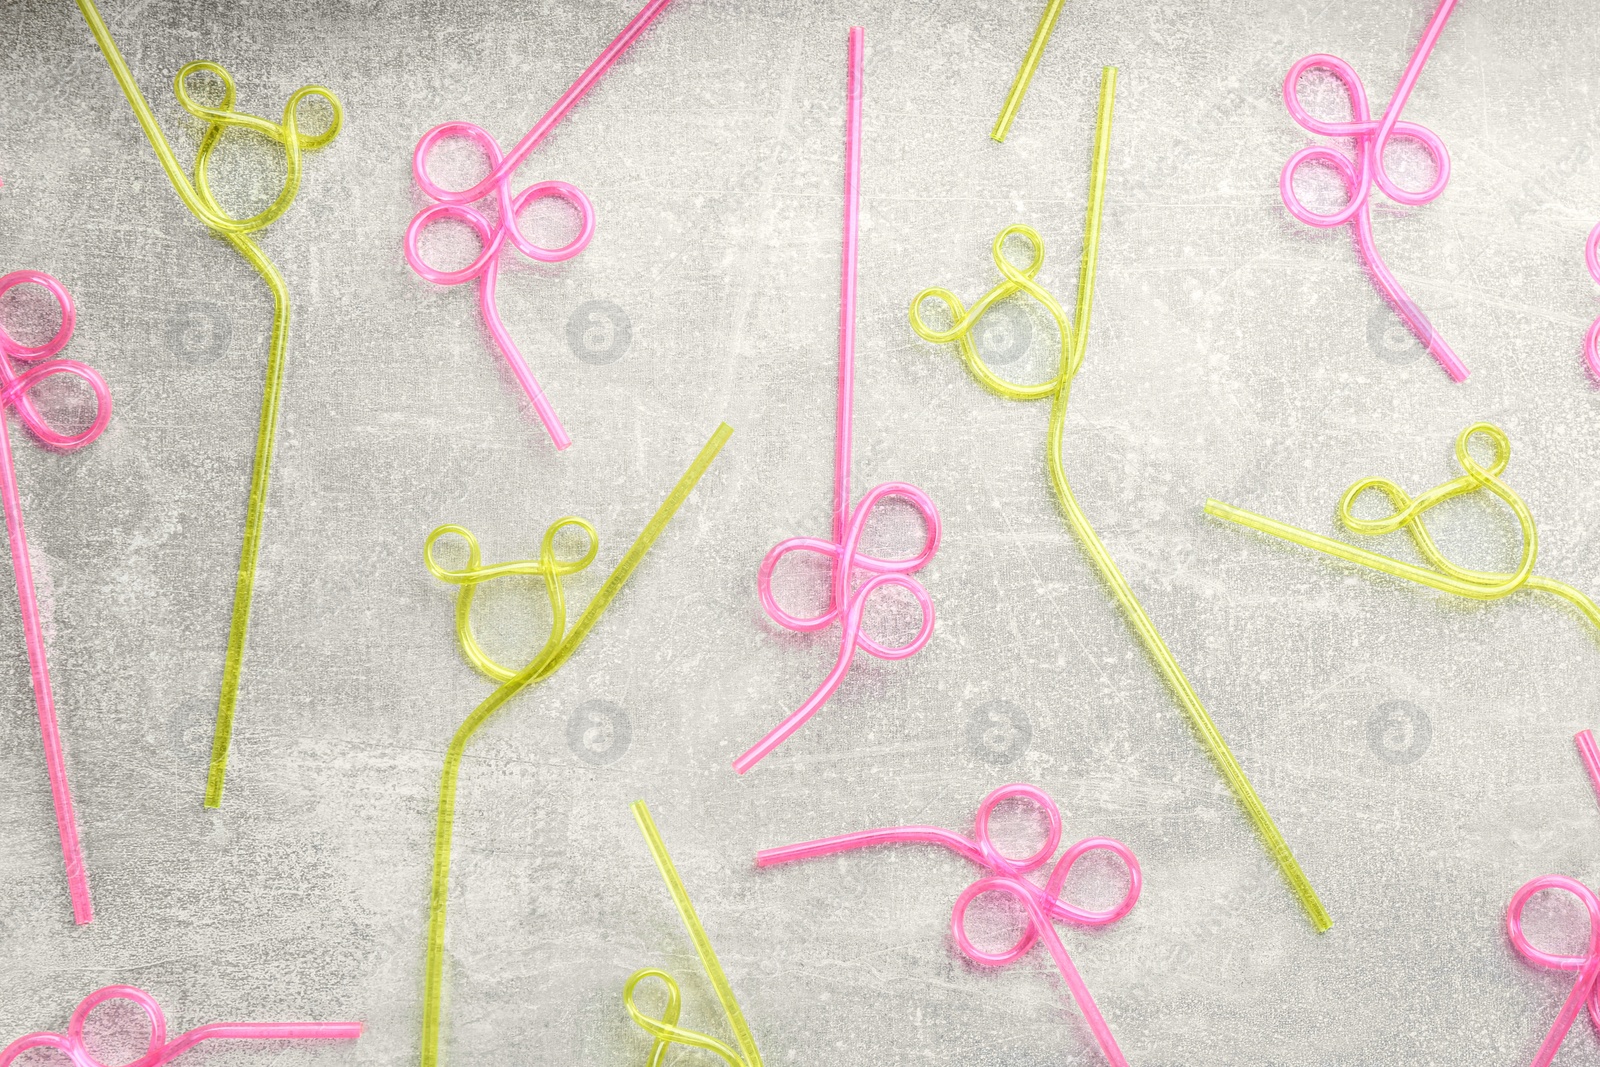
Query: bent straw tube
[160,1050]
[847,602]
[1009,877]
[14,392]
[456,204]
[200,201]
[1372,136]
[1587,987]
[558,648]
[666,1030]
[1440,573]
[1074,343]
[1030,64]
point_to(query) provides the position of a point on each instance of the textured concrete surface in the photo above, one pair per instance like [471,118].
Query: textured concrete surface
[1415,749]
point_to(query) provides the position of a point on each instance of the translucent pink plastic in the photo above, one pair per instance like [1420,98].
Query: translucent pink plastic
[14,390]
[846,602]
[456,204]
[1590,754]
[1587,965]
[1591,343]
[1009,876]
[159,1050]
[1371,138]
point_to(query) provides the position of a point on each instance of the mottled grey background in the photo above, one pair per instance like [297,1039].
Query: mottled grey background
[1415,749]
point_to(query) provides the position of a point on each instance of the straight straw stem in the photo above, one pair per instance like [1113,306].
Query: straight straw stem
[1590,756]
[44,699]
[1030,64]
[255,516]
[847,286]
[558,111]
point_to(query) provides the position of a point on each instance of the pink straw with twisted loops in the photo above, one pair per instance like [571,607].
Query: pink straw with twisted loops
[1586,990]
[159,1050]
[456,204]
[846,604]
[1372,137]
[14,390]
[1044,905]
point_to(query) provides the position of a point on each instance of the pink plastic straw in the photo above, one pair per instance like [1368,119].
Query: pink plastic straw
[1587,965]
[159,1051]
[456,204]
[1590,754]
[14,389]
[1371,138]
[1591,343]
[1008,876]
[846,603]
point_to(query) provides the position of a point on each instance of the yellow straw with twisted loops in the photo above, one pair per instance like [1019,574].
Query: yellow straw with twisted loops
[199,199]
[1407,514]
[558,648]
[1074,342]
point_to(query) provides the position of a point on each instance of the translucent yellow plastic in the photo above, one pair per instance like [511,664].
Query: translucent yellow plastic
[198,198]
[1030,63]
[1407,515]
[1074,341]
[666,1030]
[558,648]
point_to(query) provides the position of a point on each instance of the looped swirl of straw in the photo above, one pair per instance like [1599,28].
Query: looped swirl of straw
[1406,514]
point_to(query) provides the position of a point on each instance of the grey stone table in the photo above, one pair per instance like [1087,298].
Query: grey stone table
[1414,748]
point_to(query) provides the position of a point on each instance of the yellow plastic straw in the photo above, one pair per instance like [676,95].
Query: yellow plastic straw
[1074,341]
[665,1030]
[558,648]
[199,200]
[1030,63]
[1407,515]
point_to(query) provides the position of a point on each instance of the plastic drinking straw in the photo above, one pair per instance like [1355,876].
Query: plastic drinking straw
[160,1050]
[558,648]
[1030,63]
[456,204]
[666,1030]
[1590,756]
[1440,573]
[1591,343]
[1371,138]
[846,604]
[14,390]
[1074,343]
[199,199]
[1010,877]
[1587,965]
